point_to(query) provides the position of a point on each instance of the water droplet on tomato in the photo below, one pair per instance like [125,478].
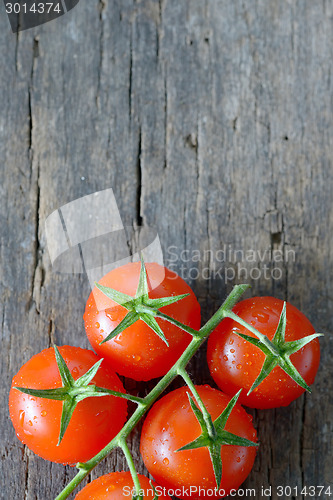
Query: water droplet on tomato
[75,371]
[239,367]
[44,413]
[225,357]
[232,350]
[117,340]
[30,423]
[21,417]
[261,317]
[231,341]
[166,461]
[97,325]
[238,459]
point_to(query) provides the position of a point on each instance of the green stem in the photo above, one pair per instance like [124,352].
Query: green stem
[74,483]
[207,418]
[146,403]
[173,321]
[130,461]
[117,394]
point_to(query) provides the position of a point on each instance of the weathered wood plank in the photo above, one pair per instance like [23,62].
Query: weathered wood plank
[212,121]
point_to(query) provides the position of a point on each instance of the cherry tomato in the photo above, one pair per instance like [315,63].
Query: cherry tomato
[117,485]
[138,352]
[171,424]
[94,423]
[235,363]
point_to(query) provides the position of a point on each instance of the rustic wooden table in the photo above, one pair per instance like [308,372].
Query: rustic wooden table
[212,122]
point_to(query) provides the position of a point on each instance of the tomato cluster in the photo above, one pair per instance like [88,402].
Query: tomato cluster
[66,404]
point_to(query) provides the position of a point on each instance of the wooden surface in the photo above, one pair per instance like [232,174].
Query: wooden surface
[212,122]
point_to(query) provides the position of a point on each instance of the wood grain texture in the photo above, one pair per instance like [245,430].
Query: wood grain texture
[212,122]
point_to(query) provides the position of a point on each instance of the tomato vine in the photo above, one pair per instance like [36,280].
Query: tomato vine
[214,435]
[143,406]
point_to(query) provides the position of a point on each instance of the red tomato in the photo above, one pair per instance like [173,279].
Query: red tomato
[171,424]
[94,423]
[138,352]
[115,486]
[235,363]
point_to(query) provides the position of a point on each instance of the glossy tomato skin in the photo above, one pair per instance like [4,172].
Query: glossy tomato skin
[94,423]
[138,352]
[172,424]
[115,486]
[235,363]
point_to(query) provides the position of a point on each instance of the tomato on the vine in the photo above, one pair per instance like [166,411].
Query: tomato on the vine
[95,421]
[138,352]
[117,485]
[171,424]
[236,363]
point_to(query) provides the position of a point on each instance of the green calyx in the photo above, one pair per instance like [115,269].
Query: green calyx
[214,435]
[142,307]
[277,351]
[73,391]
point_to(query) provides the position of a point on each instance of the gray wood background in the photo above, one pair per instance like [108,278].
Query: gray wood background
[212,122]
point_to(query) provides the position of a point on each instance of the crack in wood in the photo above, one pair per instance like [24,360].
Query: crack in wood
[159,29]
[165,163]
[3,316]
[25,459]
[51,331]
[139,218]
[38,274]
[130,78]
[39,271]
[17,51]
[102,6]
[301,440]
